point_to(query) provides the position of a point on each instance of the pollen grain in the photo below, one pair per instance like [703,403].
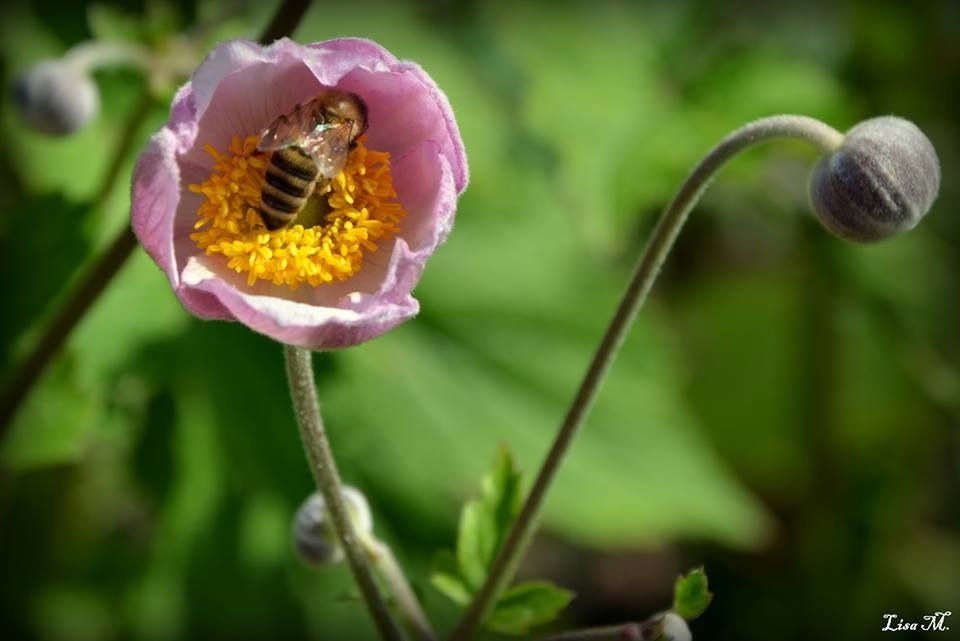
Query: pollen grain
[360,210]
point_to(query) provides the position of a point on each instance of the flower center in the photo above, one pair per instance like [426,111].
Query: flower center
[328,239]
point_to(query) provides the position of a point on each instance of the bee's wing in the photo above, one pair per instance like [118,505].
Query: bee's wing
[329,148]
[287,129]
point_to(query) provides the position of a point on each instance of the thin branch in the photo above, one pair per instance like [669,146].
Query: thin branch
[504,566]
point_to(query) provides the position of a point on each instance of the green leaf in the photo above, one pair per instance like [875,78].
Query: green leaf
[452,586]
[690,594]
[474,537]
[484,521]
[527,605]
[447,578]
[505,390]
[502,487]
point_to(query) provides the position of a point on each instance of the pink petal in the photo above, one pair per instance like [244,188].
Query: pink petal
[154,198]
[239,89]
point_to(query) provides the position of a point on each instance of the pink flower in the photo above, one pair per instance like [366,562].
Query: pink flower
[343,278]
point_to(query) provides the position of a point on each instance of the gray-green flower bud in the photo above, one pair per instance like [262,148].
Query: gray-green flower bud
[56,97]
[313,534]
[880,182]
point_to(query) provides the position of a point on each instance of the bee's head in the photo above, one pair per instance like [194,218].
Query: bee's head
[346,107]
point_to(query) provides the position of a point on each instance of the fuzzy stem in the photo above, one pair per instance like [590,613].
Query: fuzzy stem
[504,566]
[324,468]
[386,564]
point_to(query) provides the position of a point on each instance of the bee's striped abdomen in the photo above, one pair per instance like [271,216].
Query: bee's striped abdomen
[290,180]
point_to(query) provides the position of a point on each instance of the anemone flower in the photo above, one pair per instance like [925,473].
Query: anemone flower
[343,271]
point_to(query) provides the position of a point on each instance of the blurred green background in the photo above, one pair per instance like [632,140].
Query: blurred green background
[786,410]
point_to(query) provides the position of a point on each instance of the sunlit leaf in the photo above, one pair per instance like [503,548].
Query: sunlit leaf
[636,437]
[690,594]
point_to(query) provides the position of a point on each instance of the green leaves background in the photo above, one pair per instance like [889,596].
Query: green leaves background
[484,524]
[783,410]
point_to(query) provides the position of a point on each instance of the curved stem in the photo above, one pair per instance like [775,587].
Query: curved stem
[504,566]
[324,468]
[95,54]
[386,563]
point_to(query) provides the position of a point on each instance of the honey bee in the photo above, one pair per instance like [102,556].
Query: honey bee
[310,146]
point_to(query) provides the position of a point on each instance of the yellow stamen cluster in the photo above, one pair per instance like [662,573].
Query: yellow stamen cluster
[360,210]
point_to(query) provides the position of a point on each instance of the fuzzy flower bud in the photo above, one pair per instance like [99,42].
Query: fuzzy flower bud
[675,628]
[313,534]
[663,626]
[56,97]
[880,182]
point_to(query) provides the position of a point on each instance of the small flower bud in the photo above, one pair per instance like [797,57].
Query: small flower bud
[675,628]
[663,626]
[879,183]
[313,534]
[56,97]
